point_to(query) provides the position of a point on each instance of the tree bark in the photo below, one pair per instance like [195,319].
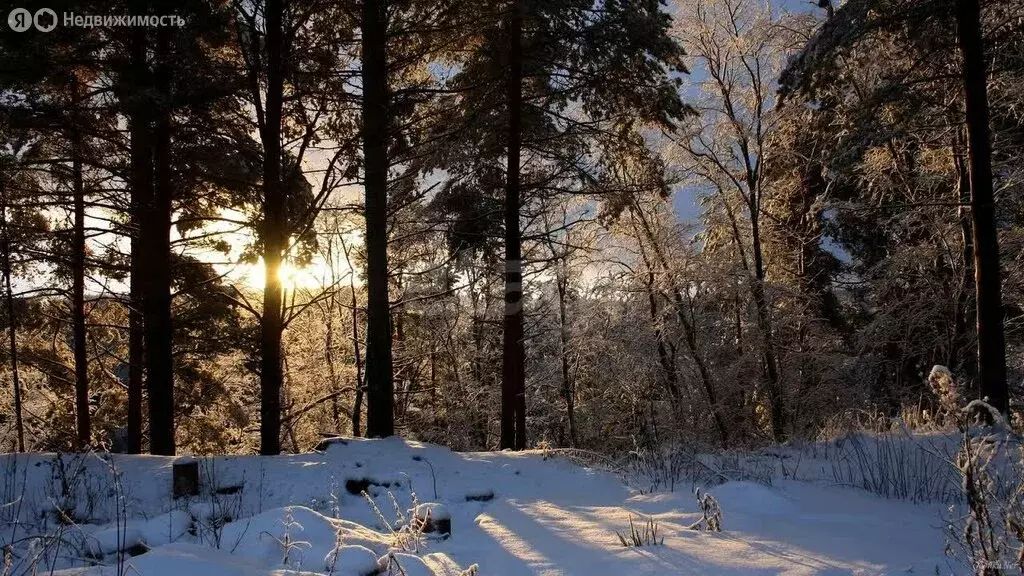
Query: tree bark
[82,419]
[274,236]
[962,354]
[332,372]
[357,402]
[380,419]
[156,243]
[568,393]
[136,357]
[668,363]
[141,185]
[12,326]
[988,301]
[776,400]
[513,378]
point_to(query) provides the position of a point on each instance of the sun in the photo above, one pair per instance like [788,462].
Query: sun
[316,275]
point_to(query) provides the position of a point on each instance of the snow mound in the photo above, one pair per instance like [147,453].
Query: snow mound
[110,540]
[351,561]
[139,535]
[182,559]
[433,511]
[408,564]
[291,537]
[166,528]
[751,498]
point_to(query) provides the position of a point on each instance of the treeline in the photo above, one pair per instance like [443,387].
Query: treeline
[454,220]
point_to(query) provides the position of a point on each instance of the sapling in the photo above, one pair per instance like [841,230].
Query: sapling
[711,512]
[287,543]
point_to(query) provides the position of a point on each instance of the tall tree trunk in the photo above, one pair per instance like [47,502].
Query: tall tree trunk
[476,330]
[380,419]
[563,340]
[357,402]
[433,379]
[771,367]
[988,300]
[156,242]
[83,424]
[12,325]
[275,237]
[668,363]
[141,184]
[513,378]
[332,372]
[136,358]
[962,357]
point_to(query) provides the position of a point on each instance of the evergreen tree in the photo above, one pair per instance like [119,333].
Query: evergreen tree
[991,339]
[375,108]
[575,77]
[922,44]
[292,54]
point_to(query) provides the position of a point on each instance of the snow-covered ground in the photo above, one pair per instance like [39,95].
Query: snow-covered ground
[511,514]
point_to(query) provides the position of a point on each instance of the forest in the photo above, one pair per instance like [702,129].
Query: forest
[505,224]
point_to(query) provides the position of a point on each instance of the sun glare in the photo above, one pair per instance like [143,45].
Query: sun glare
[316,275]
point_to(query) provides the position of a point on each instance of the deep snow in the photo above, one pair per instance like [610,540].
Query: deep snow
[511,514]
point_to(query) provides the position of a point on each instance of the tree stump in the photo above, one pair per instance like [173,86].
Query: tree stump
[185,477]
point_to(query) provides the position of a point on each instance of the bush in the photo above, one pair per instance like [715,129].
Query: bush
[646,535]
[711,512]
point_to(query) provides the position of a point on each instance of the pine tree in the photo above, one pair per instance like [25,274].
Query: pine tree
[292,58]
[575,75]
[892,151]
[991,339]
[402,129]
[375,106]
[53,76]
[140,183]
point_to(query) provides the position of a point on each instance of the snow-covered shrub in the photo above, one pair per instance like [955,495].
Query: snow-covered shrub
[988,530]
[945,388]
[432,518]
[70,497]
[711,512]
[670,466]
[217,505]
[990,462]
[659,469]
